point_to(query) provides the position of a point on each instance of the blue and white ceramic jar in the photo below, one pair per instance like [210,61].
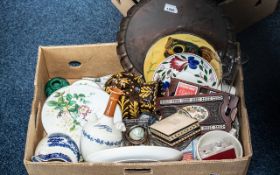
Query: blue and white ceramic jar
[57,147]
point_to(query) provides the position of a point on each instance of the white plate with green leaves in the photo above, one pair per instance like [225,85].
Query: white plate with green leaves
[69,108]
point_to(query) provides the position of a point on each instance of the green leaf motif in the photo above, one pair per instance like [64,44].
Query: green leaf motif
[82,95]
[200,67]
[52,103]
[58,108]
[196,75]
[210,71]
[70,103]
[205,78]
[165,62]
[199,81]
[76,96]
[174,75]
[206,72]
[72,110]
[183,56]
[159,71]
[214,84]
[57,94]
[86,102]
[69,97]
[63,104]
[186,67]
[76,122]
[72,128]
[163,77]
[60,100]
[169,71]
[77,107]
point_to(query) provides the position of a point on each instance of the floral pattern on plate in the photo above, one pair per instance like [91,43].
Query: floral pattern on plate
[73,105]
[187,67]
[70,108]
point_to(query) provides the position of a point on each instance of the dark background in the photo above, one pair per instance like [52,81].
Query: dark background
[24,25]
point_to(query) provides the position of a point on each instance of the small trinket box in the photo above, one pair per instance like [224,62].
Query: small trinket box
[175,129]
[213,111]
[136,132]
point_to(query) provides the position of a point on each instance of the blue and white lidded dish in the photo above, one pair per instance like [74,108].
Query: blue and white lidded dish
[57,147]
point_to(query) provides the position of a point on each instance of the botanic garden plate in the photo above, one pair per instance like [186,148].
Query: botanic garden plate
[69,108]
[188,67]
[136,154]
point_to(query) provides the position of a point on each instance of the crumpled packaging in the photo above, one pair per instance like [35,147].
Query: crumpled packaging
[138,97]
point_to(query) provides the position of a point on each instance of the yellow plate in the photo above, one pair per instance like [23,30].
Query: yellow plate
[155,54]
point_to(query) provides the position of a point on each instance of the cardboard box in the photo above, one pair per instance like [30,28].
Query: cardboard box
[242,12]
[98,60]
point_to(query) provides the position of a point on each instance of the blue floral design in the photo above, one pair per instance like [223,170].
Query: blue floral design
[62,140]
[50,157]
[193,63]
[106,127]
[165,85]
[100,141]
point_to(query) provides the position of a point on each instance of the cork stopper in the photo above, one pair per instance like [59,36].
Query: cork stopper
[115,93]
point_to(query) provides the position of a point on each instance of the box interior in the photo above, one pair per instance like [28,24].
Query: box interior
[99,60]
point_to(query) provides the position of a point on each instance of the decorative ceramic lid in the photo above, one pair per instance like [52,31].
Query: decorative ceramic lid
[148,21]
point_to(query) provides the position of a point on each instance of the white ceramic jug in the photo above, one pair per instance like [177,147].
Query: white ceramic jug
[103,134]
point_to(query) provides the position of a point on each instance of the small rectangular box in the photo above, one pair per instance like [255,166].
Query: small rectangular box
[98,60]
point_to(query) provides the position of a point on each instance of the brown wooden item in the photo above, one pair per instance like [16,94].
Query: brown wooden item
[242,13]
[221,108]
[150,20]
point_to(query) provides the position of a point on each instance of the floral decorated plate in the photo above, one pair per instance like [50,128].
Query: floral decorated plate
[69,108]
[189,67]
[156,53]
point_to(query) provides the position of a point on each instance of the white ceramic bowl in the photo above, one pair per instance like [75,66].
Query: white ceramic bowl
[56,147]
[215,136]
